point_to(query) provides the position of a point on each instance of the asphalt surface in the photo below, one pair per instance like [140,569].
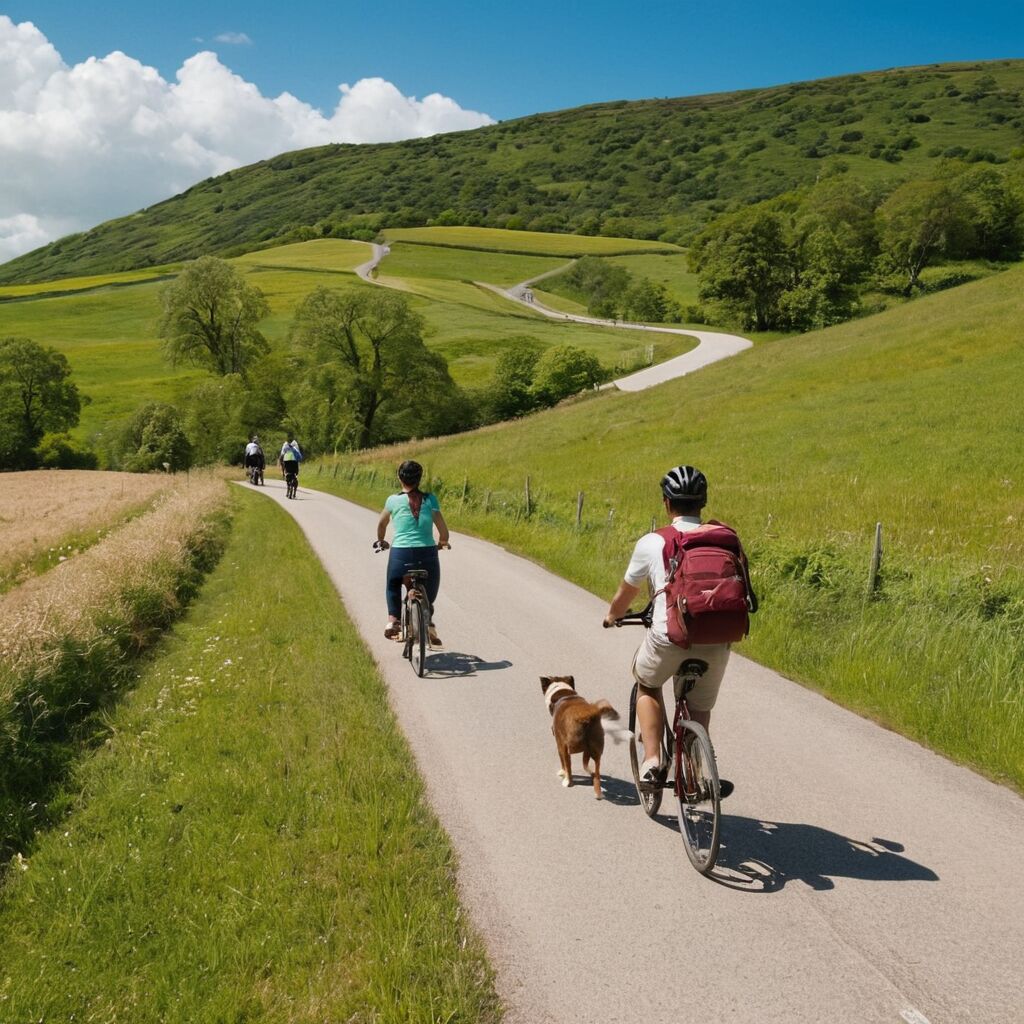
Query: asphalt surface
[861,879]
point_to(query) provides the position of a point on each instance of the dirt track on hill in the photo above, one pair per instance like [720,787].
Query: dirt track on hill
[862,878]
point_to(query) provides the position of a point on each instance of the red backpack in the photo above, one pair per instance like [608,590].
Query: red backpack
[708,594]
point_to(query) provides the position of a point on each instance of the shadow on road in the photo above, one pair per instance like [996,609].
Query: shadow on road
[455,664]
[762,856]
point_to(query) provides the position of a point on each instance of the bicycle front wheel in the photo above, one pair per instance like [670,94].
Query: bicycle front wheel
[418,622]
[698,793]
[649,794]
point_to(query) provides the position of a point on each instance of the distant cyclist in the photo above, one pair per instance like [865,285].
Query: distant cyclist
[414,515]
[290,457]
[684,491]
[254,457]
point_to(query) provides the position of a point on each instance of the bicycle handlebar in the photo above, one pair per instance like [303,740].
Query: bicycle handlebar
[380,545]
[641,618]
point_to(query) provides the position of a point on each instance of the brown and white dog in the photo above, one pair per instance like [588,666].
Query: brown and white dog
[578,727]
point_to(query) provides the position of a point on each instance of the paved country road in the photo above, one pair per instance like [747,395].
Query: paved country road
[862,879]
[712,345]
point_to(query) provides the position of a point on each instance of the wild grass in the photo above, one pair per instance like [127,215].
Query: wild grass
[911,418]
[253,843]
[525,243]
[336,254]
[428,261]
[68,638]
[69,285]
[49,515]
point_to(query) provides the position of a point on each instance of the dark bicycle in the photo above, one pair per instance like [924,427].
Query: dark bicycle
[256,476]
[291,480]
[687,756]
[416,614]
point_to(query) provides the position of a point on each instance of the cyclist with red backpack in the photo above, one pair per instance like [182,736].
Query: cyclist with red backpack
[700,580]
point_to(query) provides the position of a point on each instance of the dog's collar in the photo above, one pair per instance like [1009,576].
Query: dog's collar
[557,688]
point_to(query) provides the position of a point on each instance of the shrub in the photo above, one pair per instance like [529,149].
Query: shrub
[61,451]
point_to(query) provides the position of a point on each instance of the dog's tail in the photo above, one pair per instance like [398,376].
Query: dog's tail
[616,732]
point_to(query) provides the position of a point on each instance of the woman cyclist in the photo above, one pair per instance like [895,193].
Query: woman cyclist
[415,515]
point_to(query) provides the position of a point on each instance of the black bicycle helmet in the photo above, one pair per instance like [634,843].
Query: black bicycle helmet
[685,483]
[410,472]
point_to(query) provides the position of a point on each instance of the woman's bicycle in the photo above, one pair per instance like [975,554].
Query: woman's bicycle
[291,480]
[416,615]
[687,754]
[256,475]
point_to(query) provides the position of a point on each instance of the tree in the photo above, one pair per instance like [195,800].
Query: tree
[211,316]
[376,338]
[62,451]
[36,396]
[995,213]
[154,438]
[647,301]
[919,222]
[511,391]
[744,262]
[563,371]
[215,421]
[602,285]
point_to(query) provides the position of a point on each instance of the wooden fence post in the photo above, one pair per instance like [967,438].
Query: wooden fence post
[465,489]
[876,561]
[527,497]
[335,476]
[319,468]
[579,510]
[611,516]
[487,502]
[654,524]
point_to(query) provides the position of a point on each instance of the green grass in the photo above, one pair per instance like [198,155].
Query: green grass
[671,271]
[321,254]
[109,333]
[652,169]
[77,284]
[537,243]
[244,849]
[429,261]
[912,418]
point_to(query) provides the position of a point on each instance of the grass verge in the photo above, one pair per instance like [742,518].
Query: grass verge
[253,843]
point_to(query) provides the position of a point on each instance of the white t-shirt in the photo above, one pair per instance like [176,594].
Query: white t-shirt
[648,565]
[252,448]
[290,450]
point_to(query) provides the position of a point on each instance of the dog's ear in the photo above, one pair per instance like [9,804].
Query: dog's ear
[571,680]
[545,682]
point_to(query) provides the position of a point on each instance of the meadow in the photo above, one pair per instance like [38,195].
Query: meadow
[241,847]
[47,517]
[525,243]
[911,418]
[109,333]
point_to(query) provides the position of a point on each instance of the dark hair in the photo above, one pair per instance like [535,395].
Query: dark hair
[410,473]
[685,506]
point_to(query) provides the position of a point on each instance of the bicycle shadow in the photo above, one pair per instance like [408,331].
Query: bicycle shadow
[762,856]
[759,855]
[458,665]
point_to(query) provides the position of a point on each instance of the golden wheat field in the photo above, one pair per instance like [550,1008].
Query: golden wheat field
[146,553]
[46,515]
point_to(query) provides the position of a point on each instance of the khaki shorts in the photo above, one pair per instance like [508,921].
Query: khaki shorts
[658,659]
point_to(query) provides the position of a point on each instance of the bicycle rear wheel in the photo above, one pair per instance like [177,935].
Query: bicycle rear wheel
[648,794]
[698,793]
[418,623]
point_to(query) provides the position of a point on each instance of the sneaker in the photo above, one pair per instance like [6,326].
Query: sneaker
[650,770]
[433,639]
[725,787]
[392,630]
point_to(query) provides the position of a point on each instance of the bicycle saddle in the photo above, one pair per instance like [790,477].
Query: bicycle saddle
[422,574]
[693,668]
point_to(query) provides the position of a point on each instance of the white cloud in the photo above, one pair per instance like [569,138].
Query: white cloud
[84,143]
[233,39]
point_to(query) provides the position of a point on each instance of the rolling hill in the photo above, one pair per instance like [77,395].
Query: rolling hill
[655,169]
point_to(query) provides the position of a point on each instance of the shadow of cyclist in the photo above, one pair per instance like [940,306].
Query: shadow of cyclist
[455,664]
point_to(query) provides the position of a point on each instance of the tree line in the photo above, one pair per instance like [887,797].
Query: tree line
[804,259]
[356,372]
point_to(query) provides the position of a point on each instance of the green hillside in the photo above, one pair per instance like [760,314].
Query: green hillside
[106,326]
[912,418]
[656,169]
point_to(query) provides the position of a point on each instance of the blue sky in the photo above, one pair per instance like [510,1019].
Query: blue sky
[514,59]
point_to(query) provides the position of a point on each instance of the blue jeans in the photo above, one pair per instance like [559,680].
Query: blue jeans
[400,561]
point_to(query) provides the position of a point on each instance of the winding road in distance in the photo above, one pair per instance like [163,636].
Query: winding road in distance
[862,878]
[712,345]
